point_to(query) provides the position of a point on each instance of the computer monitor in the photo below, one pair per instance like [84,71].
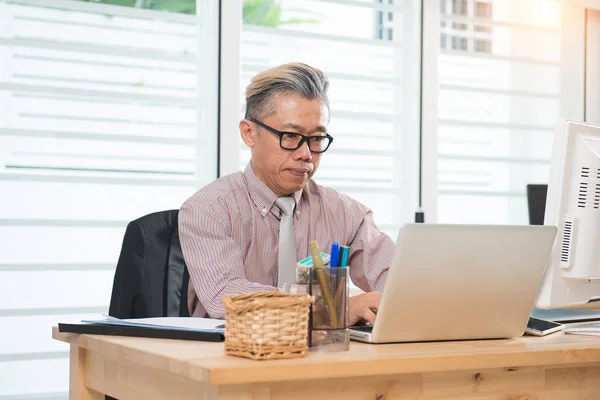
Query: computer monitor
[573,205]
[536,203]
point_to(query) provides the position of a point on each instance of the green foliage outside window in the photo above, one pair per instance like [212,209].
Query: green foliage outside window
[268,13]
[177,6]
[255,12]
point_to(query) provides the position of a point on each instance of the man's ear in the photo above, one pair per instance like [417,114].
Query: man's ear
[247,133]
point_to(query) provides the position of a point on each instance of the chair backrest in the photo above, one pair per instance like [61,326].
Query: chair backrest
[536,203]
[151,279]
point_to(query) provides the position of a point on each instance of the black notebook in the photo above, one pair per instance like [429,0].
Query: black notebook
[162,328]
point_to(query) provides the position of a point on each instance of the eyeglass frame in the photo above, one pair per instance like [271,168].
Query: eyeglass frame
[303,139]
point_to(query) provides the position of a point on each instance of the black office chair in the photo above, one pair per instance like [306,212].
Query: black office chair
[151,279]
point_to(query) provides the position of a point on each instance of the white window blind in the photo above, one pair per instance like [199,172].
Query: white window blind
[370,52]
[508,70]
[107,113]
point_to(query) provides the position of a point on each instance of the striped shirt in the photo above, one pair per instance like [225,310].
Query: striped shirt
[229,233]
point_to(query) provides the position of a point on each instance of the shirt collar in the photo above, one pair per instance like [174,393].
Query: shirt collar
[262,196]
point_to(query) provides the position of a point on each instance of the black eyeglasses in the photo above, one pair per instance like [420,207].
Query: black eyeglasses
[293,140]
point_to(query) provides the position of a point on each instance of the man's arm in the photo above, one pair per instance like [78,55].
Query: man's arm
[371,254]
[213,258]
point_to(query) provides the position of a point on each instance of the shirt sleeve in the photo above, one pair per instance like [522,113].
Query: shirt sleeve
[212,257]
[371,252]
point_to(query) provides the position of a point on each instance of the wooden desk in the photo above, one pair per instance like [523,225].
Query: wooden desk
[555,367]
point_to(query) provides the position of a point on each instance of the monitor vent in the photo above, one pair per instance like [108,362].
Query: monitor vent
[585,172]
[597,196]
[566,241]
[582,197]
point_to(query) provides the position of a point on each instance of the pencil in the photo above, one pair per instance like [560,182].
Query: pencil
[322,277]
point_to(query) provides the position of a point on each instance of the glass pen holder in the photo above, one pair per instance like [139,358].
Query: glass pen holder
[328,318]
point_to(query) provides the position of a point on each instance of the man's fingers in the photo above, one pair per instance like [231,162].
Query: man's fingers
[373,302]
[368,315]
[364,306]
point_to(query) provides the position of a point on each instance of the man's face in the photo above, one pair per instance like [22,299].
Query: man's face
[286,171]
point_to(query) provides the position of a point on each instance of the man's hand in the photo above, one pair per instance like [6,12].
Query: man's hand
[364,307]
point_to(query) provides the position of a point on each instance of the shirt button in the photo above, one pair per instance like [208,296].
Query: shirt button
[264,210]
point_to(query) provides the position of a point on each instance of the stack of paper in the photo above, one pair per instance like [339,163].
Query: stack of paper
[171,323]
[592,328]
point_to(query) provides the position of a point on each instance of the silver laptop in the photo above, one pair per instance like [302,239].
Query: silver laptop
[454,282]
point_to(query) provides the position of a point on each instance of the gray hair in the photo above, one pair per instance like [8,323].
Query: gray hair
[294,78]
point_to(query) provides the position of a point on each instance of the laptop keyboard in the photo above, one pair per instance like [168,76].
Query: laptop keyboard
[362,328]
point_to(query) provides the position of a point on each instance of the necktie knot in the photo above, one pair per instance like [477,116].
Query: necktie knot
[286,205]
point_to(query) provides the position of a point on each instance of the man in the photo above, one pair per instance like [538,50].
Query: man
[229,230]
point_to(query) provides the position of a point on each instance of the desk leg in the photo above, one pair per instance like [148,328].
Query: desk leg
[77,387]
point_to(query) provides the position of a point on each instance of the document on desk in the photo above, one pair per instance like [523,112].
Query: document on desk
[183,328]
[592,329]
[170,323]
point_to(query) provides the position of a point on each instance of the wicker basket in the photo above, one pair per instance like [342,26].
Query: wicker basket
[267,325]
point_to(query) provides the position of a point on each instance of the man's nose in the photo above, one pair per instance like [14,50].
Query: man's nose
[303,152]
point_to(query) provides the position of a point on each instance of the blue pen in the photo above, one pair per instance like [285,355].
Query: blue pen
[335,254]
[345,253]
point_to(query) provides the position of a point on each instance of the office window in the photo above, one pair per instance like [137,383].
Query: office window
[106,114]
[481,28]
[460,7]
[459,43]
[384,26]
[592,89]
[443,41]
[373,95]
[482,45]
[483,9]
[498,105]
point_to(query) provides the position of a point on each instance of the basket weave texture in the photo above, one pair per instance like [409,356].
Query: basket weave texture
[267,325]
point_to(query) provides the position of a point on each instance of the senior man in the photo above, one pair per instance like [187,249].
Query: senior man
[244,232]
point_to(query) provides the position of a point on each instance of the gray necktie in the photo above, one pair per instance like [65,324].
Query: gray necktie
[287,242]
